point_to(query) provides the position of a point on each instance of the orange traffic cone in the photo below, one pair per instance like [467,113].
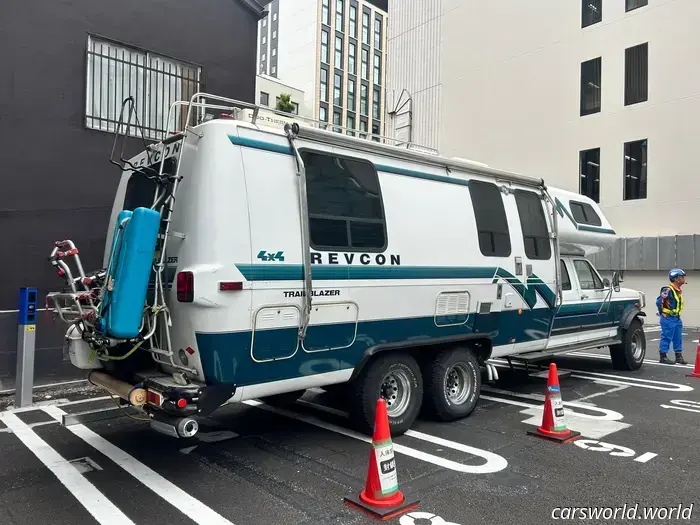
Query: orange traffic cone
[696,369]
[553,422]
[381,497]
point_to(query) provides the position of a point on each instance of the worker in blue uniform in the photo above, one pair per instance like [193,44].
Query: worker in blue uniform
[670,304]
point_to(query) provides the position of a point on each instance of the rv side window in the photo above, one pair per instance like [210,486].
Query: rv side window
[345,204]
[534,225]
[565,279]
[587,277]
[584,213]
[491,221]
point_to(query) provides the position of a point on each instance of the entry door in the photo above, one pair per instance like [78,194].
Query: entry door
[567,323]
[594,311]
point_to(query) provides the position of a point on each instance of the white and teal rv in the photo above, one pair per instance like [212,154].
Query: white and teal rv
[252,255]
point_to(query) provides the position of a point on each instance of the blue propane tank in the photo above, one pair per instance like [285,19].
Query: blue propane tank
[133,251]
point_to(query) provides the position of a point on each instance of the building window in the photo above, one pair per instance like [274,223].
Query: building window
[339,52]
[376,104]
[365,64]
[365,27]
[344,203]
[264,40]
[274,17]
[376,135]
[339,25]
[274,51]
[635,170]
[363,99]
[590,86]
[264,22]
[352,50]
[337,121]
[589,174]
[377,69]
[351,94]
[115,71]
[325,15]
[378,32]
[351,125]
[630,5]
[534,226]
[324,46]
[353,21]
[323,116]
[274,34]
[363,127]
[324,85]
[636,74]
[264,98]
[273,70]
[591,12]
[491,221]
[263,57]
[338,90]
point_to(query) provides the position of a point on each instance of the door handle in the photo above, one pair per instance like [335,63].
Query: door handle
[584,297]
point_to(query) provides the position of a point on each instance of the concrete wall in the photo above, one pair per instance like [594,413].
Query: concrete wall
[56,179]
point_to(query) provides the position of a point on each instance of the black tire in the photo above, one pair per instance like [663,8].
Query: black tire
[367,389]
[442,368]
[286,399]
[623,355]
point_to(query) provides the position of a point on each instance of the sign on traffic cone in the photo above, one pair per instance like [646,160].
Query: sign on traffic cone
[553,421]
[381,497]
[696,369]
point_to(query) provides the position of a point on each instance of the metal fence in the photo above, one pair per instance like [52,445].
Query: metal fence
[650,253]
[116,71]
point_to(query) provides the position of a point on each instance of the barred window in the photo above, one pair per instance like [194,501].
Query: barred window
[116,71]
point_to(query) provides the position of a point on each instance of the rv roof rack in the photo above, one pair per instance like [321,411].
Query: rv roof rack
[318,130]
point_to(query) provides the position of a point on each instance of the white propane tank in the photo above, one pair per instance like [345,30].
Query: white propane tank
[79,351]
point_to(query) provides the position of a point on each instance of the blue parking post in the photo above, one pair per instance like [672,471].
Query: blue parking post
[26,338]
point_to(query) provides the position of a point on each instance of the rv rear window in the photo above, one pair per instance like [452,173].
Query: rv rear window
[345,204]
[534,225]
[491,221]
[584,213]
[140,190]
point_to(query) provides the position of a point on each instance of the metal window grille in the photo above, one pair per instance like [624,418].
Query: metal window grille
[116,71]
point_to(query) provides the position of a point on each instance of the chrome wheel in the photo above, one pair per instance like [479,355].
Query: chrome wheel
[458,384]
[396,391]
[637,345]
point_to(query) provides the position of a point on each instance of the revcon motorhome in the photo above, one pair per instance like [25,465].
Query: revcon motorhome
[252,255]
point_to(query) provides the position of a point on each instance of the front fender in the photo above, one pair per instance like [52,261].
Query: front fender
[628,315]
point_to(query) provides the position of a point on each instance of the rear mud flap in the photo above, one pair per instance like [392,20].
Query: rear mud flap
[213,396]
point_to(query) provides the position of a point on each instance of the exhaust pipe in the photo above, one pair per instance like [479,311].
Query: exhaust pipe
[183,427]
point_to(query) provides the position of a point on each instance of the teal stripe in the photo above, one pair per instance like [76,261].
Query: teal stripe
[260,144]
[421,175]
[295,272]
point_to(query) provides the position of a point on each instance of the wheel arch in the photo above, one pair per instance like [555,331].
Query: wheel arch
[630,313]
[479,343]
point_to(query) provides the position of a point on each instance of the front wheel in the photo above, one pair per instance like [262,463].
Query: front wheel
[452,384]
[396,378]
[629,355]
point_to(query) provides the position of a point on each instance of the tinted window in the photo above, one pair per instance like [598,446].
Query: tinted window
[587,278]
[565,279]
[140,190]
[534,225]
[345,204]
[591,12]
[491,221]
[584,213]
[591,83]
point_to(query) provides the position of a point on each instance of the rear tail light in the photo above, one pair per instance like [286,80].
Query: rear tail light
[185,287]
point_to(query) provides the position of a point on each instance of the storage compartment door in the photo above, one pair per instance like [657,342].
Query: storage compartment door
[275,333]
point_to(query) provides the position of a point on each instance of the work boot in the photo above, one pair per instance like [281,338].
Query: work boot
[663,359]
[679,359]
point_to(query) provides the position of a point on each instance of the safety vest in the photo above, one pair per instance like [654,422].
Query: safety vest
[679,302]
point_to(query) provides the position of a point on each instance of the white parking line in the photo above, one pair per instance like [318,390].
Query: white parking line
[645,457]
[178,498]
[494,462]
[96,503]
[604,393]
[607,358]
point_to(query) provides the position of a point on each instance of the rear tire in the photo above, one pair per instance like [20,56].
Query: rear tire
[629,355]
[452,384]
[395,377]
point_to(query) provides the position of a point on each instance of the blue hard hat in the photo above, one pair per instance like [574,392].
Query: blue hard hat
[675,273]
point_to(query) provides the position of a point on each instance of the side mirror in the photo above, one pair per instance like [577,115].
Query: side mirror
[616,281]
[606,283]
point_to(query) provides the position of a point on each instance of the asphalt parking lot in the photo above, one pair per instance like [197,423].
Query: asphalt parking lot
[256,464]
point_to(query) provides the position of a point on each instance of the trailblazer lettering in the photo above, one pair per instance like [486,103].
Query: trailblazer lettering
[315,293]
[357,258]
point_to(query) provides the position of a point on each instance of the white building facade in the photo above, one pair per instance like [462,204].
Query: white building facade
[334,51]
[595,96]
[269,89]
